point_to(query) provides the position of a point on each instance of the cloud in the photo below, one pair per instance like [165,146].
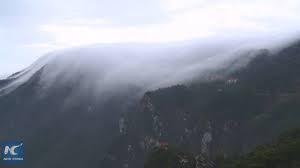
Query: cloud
[187,19]
[76,34]
[30,28]
[177,5]
[43,46]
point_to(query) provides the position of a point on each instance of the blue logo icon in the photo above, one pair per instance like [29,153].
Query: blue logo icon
[12,151]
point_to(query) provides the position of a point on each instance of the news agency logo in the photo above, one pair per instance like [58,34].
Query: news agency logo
[12,152]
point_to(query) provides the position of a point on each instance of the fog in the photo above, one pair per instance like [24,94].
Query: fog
[107,68]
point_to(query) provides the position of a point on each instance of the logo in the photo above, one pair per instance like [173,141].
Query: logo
[12,152]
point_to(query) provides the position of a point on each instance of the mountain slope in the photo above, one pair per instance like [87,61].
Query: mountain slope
[69,105]
[227,116]
[77,110]
[284,153]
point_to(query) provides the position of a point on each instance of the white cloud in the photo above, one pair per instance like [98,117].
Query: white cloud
[177,5]
[32,28]
[46,47]
[88,22]
[188,19]
[68,35]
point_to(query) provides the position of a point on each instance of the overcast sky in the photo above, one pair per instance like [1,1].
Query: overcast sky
[30,28]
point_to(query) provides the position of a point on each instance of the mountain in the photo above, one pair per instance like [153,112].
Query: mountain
[282,153]
[225,117]
[161,158]
[68,105]
[93,107]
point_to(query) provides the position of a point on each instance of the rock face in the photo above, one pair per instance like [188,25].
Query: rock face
[67,125]
[161,158]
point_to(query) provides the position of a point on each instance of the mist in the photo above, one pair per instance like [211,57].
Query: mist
[104,69]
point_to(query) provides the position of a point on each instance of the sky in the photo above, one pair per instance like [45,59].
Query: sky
[31,28]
